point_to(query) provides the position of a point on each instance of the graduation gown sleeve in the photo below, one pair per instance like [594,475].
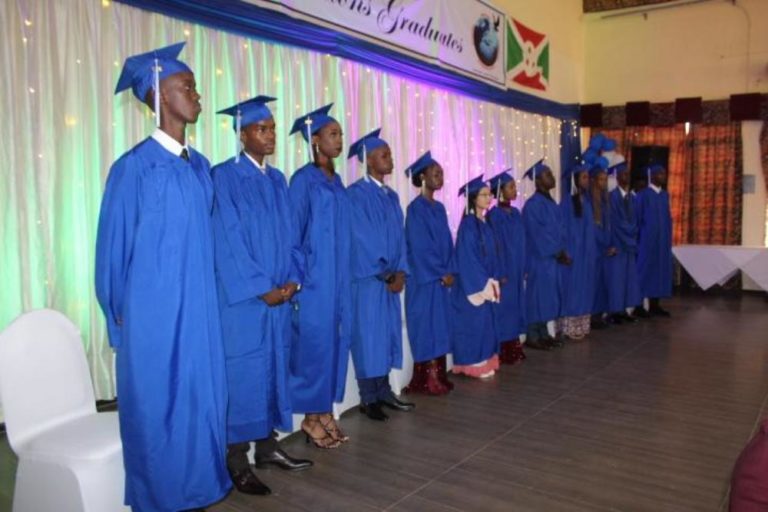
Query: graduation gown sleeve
[114,243]
[240,275]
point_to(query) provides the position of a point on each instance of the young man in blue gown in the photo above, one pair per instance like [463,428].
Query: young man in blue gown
[155,283]
[257,277]
[379,269]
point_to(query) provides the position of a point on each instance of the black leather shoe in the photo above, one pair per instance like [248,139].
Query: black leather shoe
[248,483]
[596,325]
[641,312]
[630,319]
[281,460]
[396,404]
[538,344]
[659,311]
[616,319]
[374,412]
[554,342]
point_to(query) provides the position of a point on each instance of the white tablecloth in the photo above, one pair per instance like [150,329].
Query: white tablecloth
[715,264]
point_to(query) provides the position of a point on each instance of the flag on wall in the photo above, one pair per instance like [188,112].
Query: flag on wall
[527,56]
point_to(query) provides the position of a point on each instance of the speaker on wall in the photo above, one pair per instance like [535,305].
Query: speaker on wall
[745,107]
[591,115]
[638,113]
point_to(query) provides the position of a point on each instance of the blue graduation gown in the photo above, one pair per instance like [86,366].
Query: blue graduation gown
[507,226]
[155,273]
[477,260]
[603,237]
[623,287]
[252,229]
[544,240]
[430,257]
[378,249]
[654,259]
[579,278]
[322,314]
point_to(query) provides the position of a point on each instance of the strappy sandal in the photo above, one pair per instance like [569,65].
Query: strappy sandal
[333,430]
[325,442]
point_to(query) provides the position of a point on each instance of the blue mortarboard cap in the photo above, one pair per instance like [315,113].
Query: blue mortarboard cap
[251,111]
[619,166]
[608,145]
[589,156]
[310,124]
[600,165]
[615,169]
[596,142]
[139,70]
[420,165]
[499,181]
[366,144]
[576,169]
[655,169]
[535,170]
[472,186]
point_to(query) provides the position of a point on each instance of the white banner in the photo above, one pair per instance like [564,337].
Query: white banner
[463,35]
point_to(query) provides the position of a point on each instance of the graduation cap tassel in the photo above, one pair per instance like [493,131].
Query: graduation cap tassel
[308,124]
[466,208]
[156,94]
[365,160]
[498,190]
[238,126]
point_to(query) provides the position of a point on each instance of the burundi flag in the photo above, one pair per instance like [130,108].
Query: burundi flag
[527,56]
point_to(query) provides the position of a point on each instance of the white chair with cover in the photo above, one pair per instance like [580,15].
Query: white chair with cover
[70,456]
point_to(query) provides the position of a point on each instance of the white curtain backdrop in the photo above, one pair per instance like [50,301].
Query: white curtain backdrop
[63,127]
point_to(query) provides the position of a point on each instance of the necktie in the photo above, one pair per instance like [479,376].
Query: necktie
[628,205]
[184,154]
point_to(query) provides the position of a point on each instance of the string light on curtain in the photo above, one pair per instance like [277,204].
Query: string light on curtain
[47,240]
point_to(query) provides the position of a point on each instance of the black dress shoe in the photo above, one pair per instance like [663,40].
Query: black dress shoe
[538,344]
[373,411]
[553,342]
[659,311]
[616,319]
[281,460]
[641,312]
[397,405]
[598,324]
[629,319]
[248,483]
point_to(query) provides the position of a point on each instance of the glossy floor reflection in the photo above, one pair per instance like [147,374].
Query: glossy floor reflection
[646,417]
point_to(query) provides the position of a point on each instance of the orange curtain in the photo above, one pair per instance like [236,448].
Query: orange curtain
[704,183]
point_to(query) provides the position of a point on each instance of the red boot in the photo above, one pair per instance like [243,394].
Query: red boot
[517,350]
[442,372]
[511,352]
[418,382]
[435,386]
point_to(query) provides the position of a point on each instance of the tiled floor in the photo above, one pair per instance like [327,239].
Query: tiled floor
[647,417]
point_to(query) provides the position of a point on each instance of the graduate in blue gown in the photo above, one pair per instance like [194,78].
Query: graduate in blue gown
[257,277]
[598,197]
[475,336]
[428,292]
[379,269]
[545,250]
[322,319]
[654,259]
[507,224]
[623,289]
[578,279]
[155,283]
